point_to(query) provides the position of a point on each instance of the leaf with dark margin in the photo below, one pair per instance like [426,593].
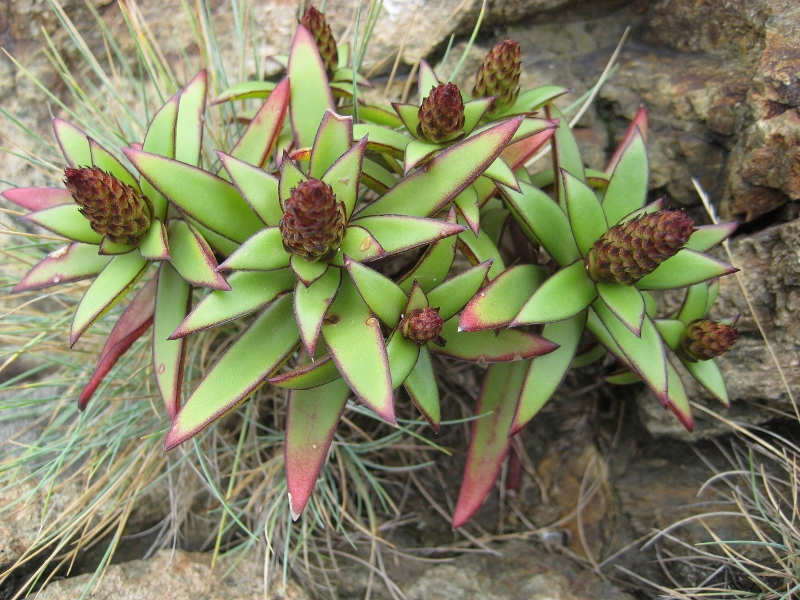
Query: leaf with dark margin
[421,386]
[241,369]
[173,300]
[562,296]
[398,233]
[434,265]
[104,160]
[383,140]
[189,127]
[466,203]
[37,198]
[639,122]
[311,419]
[677,400]
[586,216]
[312,302]
[258,188]
[193,258]
[384,297]
[485,346]
[626,302]
[360,245]
[310,96]
[343,176]
[262,133]
[427,80]
[627,188]
[708,374]
[333,139]
[670,330]
[452,295]
[307,272]
[66,220]
[262,252]
[686,268]
[480,249]
[160,139]
[566,154]
[108,247]
[403,355]
[74,144]
[154,246]
[694,303]
[532,100]
[65,265]
[245,90]
[308,376]
[705,237]
[291,177]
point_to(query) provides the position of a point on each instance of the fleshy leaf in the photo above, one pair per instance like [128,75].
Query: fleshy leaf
[474,111]
[307,272]
[434,264]
[566,155]
[154,246]
[626,302]
[262,252]
[498,303]
[480,249]
[381,139]
[500,172]
[312,302]
[545,373]
[343,176]
[671,331]
[173,300]
[627,188]
[453,295]
[211,200]
[250,292]
[518,153]
[403,356]
[532,100]
[485,346]
[310,96]
[421,386]
[384,297]
[108,247]
[358,244]
[466,203]
[65,265]
[677,400]
[334,137]
[74,144]
[489,441]
[160,139]
[708,374]
[355,341]
[426,191]
[586,216]
[427,80]
[686,268]
[291,177]
[37,198]
[116,280]
[417,298]
[189,127]
[245,90]
[109,163]
[308,376]
[252,357]
[694,303]
[639,123]
[536,212]
[622,377]
[192,257]
[562,296]
[311,419]
[67,221]
[134,321]
[397,233]
[705,237]
[259,139]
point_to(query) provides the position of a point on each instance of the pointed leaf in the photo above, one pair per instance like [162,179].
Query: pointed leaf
[308,376]
[485,346]
[708,374]
[384,297]
[532,100]
[381,139]
[417,298]
[566,154]
[333,138]
[250,292]
[417,152]
[434,264]
[694,303]
[466,203]
[427,80]
[307,272]
[173,299]
[108,247]
[211,200]
[160,139]
[310,97]
[67,221]
[426,191]
[37,198]
[408,114]
[65,265]
[639,123]
[622,377]
[489,441]
[355,341]
[154,246]
[586,216]
[687,267]
[421,386]
[402,354]
[677,400]
[545,373]
[109,163]
[311,419]
[343,176]
[481,249]
[312,302]
[259,139]
[74,144]
[500,172]
[453,295]
[262,252]
[626,302]
[252,357]
[705,237]
[245,90]
[671,331]
[258,188]
[192,257]
[291,177]
[562,296]
[518,153]
[474,110]
[396,233]
[360,245]
[627,188]
[116,280]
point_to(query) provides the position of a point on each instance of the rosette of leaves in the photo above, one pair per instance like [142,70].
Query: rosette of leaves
[90,214]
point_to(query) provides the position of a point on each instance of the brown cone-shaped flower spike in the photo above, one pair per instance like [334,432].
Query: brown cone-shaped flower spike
[704,339]
[423,325]
[113,208]
[629,251]
[442,113]
[499,75]
[317,24]
[314,222]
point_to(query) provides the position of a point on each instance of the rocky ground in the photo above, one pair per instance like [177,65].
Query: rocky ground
[721,82]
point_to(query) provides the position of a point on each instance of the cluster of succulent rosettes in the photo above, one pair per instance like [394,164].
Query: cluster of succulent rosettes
[317,24]
[629,251]
[113,208]
[499,75]
[313,224]
[423,325]
[441,115]
[705,339]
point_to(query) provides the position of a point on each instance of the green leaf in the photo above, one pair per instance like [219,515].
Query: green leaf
[189,127]
[211,200]
[381,139]
[355,341]
[426,191]
[402,355]
[160,139]
[626,302]
[466,203]
[481,249]
[489,441]
[694,303]
[173,299]
[258,188]
[74,144]
[623,377]
[532,100]
[308,376]
[708,374]
[485,346]
[500,172]
[427,80]
[312,302]
[713,292]
[586,217]
[499,302]
[705,237]
[67,221]
[333,139]
[65,265]
[546,373]
[434,264]
[686,268]
[192,257]
[154,245]
[245,90]
[566,154]
[291,177]
[259,139]
[376,177]
[398,233]
[453,295]
[307,272]
[384,297]
[309,97]
[537,132]
[417,298]
[241,369]
[421,386]
[590,355]
[564,295]
[262,252]
[116,280]
[110,248]
[344,176]
[374,113]
[37,198]
[474,111]
[250,291]
[109,163]
[677,400]
[359,245]
[543,220]
[417,152]
[311,418]
[671,331]
[627,188]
